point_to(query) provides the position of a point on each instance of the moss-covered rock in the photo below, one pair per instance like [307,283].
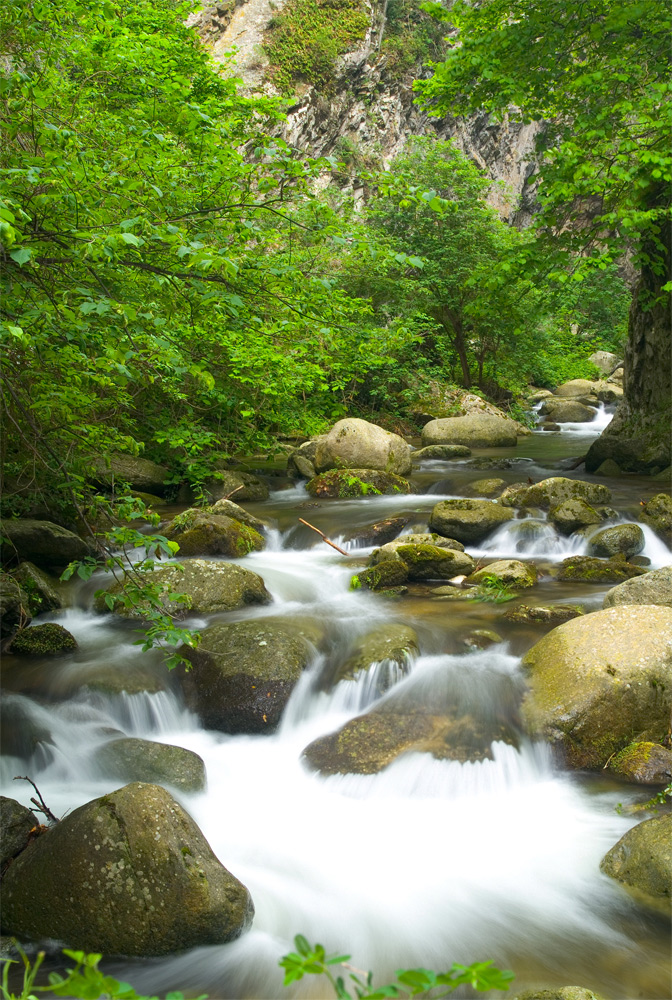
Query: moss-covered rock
[243,673]
[481,638]
[657,514]
[353,443]
[554,491]
[488,487]
[44,543]
[596,680]
[645,763]
[210,586]
[383,576]
[392,641]
[233,510]
[588,569]
[41,589]
[49,639]
[567,411]
[390,549]
[551,614]
[133,759]
[570,515]
[469,521]
[642,860]
[346,483]
[654,587]
[200,533]
[476,430]
[14,606]
[559,993]
[627,539]
[16,823]
[242,485]
[127,874]
[441,452]
[138,473]
[434,562]
[512,572]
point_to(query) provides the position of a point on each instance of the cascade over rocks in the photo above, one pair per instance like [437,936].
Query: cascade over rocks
[353,443]
[126,874]
[469,521]
[475,431]
[392,642]
[597,679]
[642,860]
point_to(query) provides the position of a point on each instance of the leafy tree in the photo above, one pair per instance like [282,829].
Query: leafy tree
[596,74]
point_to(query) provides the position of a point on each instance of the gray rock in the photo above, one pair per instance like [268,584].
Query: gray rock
[625,538]
[642,859]
[139,473]
[44,543]
[133,759]
[567,411]
[353,443]
[477,430]
[41,589]
[654,587]
[14,606]
[575,387]
[441,452]
[605,361]
[16,822]
[468,521]
[241,485]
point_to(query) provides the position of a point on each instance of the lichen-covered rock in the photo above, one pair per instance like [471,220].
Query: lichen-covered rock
[133,759]
[477,430]
[488,487]
[385,575]
[553,614]
[642,859]
[512,572]
[242,485]
[41,589]
[353,443]
[561,993]
[210,586]
[433,562]
[627,539]
[552,492]
[389,550]
[201,533]
[468,521]
[16,822]
[654,587]
[605,361]
[441,452]
[243,673]
[44,543]
[139,473]
[346,483]
[644,763]
[301,461]
[589,569]
[575,387]
[394,642]
[127,874]
[380,533]
[570,515]
[608,468]
[49,639]
[230,509]
[14,606]
[597,679]
[657,513]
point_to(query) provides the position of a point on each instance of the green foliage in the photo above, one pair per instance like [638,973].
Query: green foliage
[306,36]
[411,38]
[493,590]
[312,960]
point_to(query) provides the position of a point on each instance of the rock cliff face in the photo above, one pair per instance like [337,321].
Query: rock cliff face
[370,113]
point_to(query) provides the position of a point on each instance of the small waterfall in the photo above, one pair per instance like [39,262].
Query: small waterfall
[531,538]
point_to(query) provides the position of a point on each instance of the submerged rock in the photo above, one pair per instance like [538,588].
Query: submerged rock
[126,874]
[597,679]
[49,639]
[645,763]
[133,759]
[353,443]
[468,521]
[201,533]
[654,587]
[552,614]
[346,483]
[642,860]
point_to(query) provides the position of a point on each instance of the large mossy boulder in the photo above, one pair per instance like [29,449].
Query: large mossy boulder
[642,860]
[50,639]
[41,589]
[210,586]
[654,587]
[426,561]
[392,642]
[242,485]
[233,510]
[16,824]
[138,473]
[347,483]
[627,539]
[201,533]
[589,569]
[554,491]
[570,515]
[476,430]
[14,606]
[243,673]
[126,874]
[44,543]
[597,680]
[511,572]
[133,759]
[643,763]
[440,452]
[387,575]
[657,514]
[353,443]
[467,520]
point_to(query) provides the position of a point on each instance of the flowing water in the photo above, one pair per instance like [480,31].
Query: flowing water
[426,863]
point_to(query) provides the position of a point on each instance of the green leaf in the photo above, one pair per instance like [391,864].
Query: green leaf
[22,255]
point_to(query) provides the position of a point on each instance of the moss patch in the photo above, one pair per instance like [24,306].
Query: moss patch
[43,640]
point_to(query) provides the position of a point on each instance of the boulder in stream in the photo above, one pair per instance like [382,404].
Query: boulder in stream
[230,509]
[570,515]
[596,680]
[469,521]
[44,543]
[243,673]
[567,411]
[476,430]
[242,485]
[627,539]
[392,642]
[126,874]
[353,443]
[655,587]
[589,569]
[16,824]
[41,589]
[389,574]
[488,487]
[549,614]
[552,492]
[511,572]
[379,533]
[133,759]
[343,484]
[575,387]
[49,639]
[202,533]
[441,452]
[657,514]
[642,861]
[644,763]
[426,561]
[14,606]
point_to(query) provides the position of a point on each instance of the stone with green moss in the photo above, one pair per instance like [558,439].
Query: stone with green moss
[627,539]
[589,569]
[511,572]
[233,510]
[347,483]
[49,639]
[655,587]
[240,485]
[550,614]
[488,487]
[133,759]
[201,533]
[644,763]
[596,680]
[387,574]
[642,861]
[14,606]
[393,641]
[570,515]
[469,521]
[559,993]
[389,549]
[129,873]
[657,514]
[243,673]
[434,562]
[42,590]
[554,491]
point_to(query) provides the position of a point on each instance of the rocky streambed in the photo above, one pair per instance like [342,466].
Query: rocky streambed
[430,749]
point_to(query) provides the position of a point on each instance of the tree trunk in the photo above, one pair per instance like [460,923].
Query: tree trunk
[638,438]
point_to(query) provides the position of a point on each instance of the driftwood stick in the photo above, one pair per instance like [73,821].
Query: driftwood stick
[41,805]
[229,495]
[324,537]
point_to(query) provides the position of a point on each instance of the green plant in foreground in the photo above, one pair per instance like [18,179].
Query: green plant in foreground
[313,960]
[493,590]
